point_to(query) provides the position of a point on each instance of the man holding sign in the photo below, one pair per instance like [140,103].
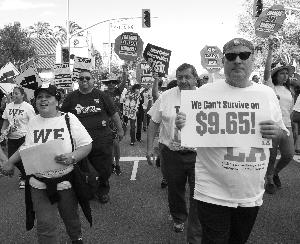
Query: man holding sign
[229,179]
[178,161]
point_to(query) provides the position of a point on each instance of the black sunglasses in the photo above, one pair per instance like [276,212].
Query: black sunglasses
[81,78]
[242,55]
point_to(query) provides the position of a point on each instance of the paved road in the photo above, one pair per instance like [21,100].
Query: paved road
[138,213]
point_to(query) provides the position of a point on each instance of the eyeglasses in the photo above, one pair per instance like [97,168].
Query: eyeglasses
[81,78]
[242,56]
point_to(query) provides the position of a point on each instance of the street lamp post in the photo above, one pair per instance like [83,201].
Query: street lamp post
[69,35]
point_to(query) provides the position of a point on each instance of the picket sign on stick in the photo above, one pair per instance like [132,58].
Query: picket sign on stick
[270,21]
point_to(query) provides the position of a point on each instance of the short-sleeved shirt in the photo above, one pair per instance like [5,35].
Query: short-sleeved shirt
[93,110]
[18,115]
[41,130]
[229,176]
[164,112]
[297,105]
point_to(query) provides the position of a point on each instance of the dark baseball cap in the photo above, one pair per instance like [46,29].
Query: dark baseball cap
[50,89]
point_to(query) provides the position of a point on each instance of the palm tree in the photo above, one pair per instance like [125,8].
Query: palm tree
[40,30]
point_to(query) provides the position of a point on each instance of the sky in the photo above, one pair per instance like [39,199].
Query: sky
[182,26]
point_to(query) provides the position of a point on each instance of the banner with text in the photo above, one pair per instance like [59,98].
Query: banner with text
[29,80]
[218,119]
[79,65]
[158,58]
[130,105]
[128,46]
[62,75]
[144,73]
[8,72]
[211,58]
[270,21]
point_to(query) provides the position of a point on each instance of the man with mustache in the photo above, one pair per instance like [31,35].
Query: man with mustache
[179,162]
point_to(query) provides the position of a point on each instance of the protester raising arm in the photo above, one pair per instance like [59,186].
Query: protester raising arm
[267,71]
[155,93]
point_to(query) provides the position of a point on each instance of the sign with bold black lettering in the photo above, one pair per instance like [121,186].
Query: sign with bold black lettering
[62,75]
[128,46]
[158,58]
[270,21]
[211,59]
[144,73]
[8,72]
[218,119]
[79,65]
[29,80]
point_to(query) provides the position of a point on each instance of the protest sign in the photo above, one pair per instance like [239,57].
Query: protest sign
[8,72]
[29,80]
[40,158]
[79,65]
[128,46]
[62,75]
[211,59]
[130,105]
[26,65]
[158,58]
[218,119]
[270,21]
[144,73]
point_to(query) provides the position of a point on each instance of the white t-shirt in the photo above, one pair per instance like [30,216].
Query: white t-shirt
[286,102]
[164,112]
[41,130]
[234,176]
[297,105]
[18,116]
[147,98]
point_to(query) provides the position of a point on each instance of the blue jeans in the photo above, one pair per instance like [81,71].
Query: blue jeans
[286,147]
[47,218]
[179,168]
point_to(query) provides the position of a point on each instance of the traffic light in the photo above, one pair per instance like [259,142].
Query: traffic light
[258,7]
[146,17]
[65,53]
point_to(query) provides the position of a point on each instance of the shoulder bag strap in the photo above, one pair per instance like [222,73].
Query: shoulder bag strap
[67,119]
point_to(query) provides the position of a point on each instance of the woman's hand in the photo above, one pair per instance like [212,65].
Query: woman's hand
[65,159]
[270,130]
[180,120]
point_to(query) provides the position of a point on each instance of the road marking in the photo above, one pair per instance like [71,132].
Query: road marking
[134,169]
[130,159]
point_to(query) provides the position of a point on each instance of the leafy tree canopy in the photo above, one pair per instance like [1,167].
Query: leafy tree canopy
[15,45]
[288,36]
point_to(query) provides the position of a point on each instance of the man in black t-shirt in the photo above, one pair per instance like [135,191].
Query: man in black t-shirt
[94,109]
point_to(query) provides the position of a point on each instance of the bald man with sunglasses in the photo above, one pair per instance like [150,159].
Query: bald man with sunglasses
[229,198]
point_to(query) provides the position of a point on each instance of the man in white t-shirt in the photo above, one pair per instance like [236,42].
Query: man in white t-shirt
[178,161]
[228,200]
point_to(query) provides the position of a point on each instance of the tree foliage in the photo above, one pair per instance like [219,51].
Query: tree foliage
[40,30]
[288,36]
[15,46]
